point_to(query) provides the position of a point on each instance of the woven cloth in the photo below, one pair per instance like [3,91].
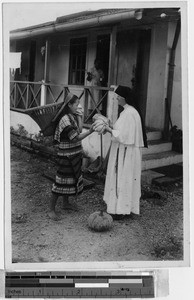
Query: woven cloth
[100,123]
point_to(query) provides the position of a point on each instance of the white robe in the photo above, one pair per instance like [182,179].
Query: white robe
[123,181]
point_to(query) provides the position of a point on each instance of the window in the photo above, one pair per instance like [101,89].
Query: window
[77,61]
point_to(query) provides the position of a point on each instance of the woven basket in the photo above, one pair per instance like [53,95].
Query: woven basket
[43,116]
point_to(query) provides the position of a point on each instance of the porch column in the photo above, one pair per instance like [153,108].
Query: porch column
[46,73]
[111,77]
[43,94]
[47,60]
[112,106]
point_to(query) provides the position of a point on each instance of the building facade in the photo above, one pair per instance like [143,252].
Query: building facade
[138,48]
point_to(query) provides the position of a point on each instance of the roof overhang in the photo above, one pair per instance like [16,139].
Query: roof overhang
[92,19]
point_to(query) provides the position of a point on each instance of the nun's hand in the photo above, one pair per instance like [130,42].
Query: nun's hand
[91,129]
[108,129]
[110,124]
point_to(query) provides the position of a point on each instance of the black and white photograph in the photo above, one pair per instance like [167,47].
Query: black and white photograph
[96,134]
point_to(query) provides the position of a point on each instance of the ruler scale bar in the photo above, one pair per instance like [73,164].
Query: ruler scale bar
[125,280]
[82,285]
[56,281]
[65,275]
[80,292]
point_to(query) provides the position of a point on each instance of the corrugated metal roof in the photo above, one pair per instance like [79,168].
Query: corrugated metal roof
[88,19]
[75,18]
[47,24]
[89,14]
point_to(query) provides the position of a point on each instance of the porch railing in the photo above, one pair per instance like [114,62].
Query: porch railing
[25,95]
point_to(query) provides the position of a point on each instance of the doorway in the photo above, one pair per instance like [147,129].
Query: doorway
[142,69]
[32,61]
[102,54]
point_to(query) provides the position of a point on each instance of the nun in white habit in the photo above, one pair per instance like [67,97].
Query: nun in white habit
[123,180]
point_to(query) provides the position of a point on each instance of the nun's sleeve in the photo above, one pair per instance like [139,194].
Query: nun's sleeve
[124,130]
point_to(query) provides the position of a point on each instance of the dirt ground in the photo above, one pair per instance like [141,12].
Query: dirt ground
[156,234]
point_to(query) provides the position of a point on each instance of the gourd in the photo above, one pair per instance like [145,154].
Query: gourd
[100,221]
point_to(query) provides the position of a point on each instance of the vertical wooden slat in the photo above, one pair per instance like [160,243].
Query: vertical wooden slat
[43,93]
[111,77]
[44,89]
[85,103]
[27,96]
[15,94]
[47,60]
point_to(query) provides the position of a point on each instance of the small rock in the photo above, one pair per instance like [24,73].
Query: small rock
[42,259]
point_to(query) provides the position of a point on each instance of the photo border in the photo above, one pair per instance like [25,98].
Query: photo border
[104,265]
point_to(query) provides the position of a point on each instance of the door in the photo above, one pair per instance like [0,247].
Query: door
[142,69]
[102,54]
[32,61]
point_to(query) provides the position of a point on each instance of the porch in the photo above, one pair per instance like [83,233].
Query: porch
[25,96]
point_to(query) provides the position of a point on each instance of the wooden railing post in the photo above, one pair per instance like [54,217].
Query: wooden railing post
[46,74]
[47,61]
[15,94]
[43,94]
[27,95]
[113,37]
[85,103]
[112,107]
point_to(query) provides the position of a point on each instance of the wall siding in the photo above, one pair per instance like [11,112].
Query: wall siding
[157,77]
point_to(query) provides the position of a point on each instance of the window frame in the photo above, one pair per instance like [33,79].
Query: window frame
[79,67]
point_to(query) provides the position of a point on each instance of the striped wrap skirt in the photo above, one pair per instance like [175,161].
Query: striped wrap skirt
[68,180]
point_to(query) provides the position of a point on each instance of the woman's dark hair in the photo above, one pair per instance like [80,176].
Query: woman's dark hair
[66,108]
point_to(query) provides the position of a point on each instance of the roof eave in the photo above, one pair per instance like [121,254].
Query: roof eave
[81,24]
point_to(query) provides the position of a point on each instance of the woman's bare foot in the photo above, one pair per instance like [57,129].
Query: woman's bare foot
[69,206]
[53,216]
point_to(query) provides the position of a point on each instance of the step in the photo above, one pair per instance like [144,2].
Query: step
[154,135]
[147,176]
[157,147]
[151,161]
